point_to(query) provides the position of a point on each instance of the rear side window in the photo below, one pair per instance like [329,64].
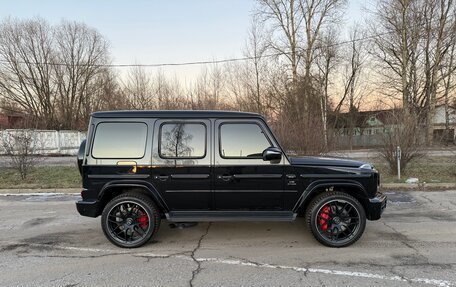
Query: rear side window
[242,140]
[120,140]
[182,140]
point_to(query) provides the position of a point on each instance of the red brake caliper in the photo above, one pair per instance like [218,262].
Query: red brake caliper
[324,215]
[142,220]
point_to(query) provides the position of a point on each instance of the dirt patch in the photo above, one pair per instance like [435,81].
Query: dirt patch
[48,239]
[38,221]
[12,247]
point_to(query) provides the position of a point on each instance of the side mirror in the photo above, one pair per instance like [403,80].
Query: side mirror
[272,154]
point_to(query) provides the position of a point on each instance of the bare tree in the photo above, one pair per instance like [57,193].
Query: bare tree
[46,71]
[20,146]
[437,43]
[354,61]
[80,53]
[26,75]
[404,133]
[169,92]
[256,48]
[107,94]
[397,31]
[326,63]
[209,89]
[414,40]
[248,81]
[286,20]
[318,15]
[236,76]
[298,26]
[138,89]
[449,85]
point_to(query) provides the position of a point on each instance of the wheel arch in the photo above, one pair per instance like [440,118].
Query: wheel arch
[350,187]
[112,189]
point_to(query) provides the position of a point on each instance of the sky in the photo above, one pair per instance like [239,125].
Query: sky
[151,32]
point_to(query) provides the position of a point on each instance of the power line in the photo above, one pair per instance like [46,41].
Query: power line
[206,62]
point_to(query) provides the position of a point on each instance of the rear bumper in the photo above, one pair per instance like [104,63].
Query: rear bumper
[376,205]
[88,208]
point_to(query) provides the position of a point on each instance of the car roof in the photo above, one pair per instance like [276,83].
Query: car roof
[173,114]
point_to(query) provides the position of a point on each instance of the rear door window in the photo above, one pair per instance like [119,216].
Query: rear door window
[182,140]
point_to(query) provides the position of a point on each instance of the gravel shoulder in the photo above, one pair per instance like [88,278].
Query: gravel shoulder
[32,191]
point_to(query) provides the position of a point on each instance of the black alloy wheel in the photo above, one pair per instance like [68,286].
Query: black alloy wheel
[336,219]
[130,220]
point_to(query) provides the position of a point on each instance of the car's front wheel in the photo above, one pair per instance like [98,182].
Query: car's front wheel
[336,219]
[130,220]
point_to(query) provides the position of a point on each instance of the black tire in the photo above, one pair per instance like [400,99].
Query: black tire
[336,219]
[130,220]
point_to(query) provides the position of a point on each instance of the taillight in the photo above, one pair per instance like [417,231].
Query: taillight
[81,155]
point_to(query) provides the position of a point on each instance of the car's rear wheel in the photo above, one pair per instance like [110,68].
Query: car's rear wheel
[130,220]
[336,219]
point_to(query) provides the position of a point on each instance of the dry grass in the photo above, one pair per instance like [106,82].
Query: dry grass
[41,177]
[426,169]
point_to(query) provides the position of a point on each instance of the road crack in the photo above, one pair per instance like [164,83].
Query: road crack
[402,238]
[198,269]
[302,270]
[402,277]
[427,198]
[61,277]
[405,241]
[157,256]
[440,203]
[19,255]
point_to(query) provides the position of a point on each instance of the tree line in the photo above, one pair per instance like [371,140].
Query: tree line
[300,71]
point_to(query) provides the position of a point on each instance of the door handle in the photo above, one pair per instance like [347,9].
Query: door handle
[161,177]
[225,177]
[133,168]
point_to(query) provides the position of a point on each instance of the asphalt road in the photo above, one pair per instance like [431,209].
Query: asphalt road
[44,242]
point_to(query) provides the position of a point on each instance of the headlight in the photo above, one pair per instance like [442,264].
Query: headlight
[366,166]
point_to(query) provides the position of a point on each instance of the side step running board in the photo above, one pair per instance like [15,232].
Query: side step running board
[200,216]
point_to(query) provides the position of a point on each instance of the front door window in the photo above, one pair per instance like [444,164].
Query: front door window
[242,141]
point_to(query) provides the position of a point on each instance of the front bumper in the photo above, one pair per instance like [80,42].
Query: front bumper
[88,208]
[376,205]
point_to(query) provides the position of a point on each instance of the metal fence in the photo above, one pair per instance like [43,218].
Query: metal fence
[48,141]
[358,141]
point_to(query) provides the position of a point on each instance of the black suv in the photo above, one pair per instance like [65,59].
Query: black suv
[139,167]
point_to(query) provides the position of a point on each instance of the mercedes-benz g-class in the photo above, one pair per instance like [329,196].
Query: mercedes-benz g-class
[139,167]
